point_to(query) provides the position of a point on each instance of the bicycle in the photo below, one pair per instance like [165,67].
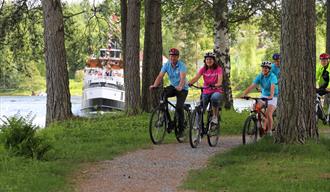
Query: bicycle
[254,123]
[320,112]
[161,121]
[198,129]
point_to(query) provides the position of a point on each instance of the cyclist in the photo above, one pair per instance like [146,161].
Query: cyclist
[276,65]
[176,71]
[322,74]
[269,89]
[212,75]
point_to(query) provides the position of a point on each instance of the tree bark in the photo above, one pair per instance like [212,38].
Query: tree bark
[221,46]
[152,55]
[297,83]
[327,96]
[123,20]
[132,66]
[57,79]
[328,27]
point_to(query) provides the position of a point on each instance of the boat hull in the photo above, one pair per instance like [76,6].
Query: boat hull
[103,99]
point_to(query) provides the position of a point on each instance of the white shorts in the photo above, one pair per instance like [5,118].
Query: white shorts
[272,102]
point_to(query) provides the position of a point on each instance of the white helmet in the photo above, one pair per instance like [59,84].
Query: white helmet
[266,64]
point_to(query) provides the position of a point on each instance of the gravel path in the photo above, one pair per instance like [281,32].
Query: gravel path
[161,168]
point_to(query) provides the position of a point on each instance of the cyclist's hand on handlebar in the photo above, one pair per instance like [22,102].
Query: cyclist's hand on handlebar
[244,96]
[190,84]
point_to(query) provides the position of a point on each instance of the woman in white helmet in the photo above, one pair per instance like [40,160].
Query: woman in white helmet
[269,89]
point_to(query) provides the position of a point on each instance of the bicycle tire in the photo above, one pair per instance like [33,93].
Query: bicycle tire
[195,129]
[213,133]
[158,127]
[179,138]
[250,133]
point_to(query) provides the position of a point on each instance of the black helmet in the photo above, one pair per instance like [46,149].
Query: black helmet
[276,56]
[209,54]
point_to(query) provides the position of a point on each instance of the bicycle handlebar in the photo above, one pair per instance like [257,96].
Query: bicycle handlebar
[255,98]
[204,87]
[322,91]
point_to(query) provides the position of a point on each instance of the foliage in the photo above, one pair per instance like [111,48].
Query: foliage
[265,166]
[20,138]
[74,142]
[79,75]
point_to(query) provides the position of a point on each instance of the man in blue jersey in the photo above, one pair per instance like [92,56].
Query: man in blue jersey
[276,65]
[269,89]
[176,71]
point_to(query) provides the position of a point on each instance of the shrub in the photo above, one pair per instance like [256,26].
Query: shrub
[79,75]
[20,138]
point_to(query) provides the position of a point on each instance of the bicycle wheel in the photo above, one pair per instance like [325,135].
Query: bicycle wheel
[250,132]
[195,129]
[213,133]
[181,137]
[157,125]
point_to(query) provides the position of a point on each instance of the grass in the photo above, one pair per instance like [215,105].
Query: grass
[266,167]
[83,140]
[75,142]
[232,121]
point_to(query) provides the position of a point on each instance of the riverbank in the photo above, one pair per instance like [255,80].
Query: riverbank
[75,90]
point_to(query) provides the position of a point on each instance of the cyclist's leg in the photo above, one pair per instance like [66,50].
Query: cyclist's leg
[206,100]
[215,101]
[180,99]
[269,113]
[169,92]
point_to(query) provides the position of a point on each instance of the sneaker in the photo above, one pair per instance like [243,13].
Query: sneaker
[214,120]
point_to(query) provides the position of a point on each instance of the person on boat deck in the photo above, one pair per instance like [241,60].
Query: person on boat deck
[108,70]
[176,71]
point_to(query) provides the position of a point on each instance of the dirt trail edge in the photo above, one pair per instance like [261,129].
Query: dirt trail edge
[162,168]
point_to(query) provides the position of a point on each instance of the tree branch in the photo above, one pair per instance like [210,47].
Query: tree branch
[242,18]
[74,14]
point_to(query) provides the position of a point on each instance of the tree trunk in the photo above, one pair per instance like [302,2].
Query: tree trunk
[57,79]
[327,96]
[152,55]
[328,27]
[123,20]
[221,46]
[132,66]
[297,83]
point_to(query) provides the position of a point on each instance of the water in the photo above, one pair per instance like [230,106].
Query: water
[36,105]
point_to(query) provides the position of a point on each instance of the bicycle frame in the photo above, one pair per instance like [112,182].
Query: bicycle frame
[258,111]
[318,107]
[208,110]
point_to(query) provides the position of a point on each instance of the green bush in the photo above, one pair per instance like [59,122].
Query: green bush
[19,136]
[79,75]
